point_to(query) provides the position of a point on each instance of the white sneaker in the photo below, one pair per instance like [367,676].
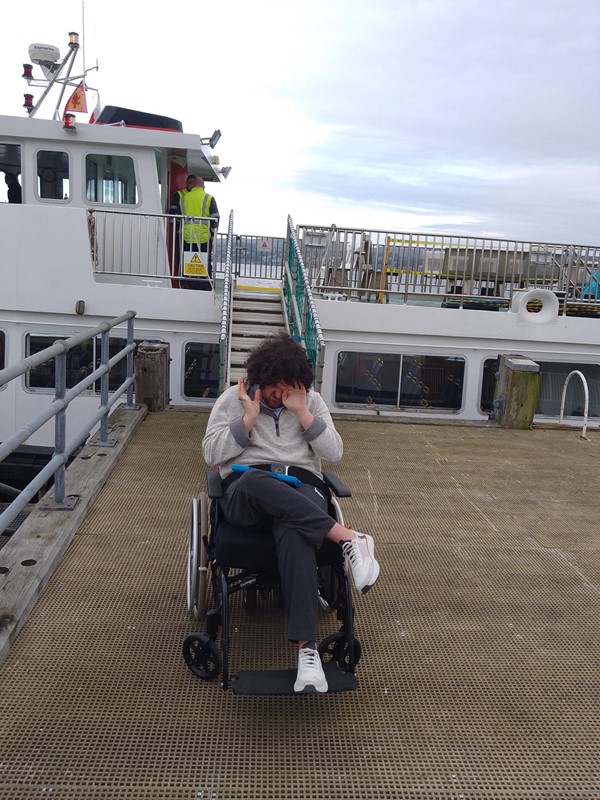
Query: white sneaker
[311,677]
[359,555]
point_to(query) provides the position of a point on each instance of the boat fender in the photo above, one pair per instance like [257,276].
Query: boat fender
[548,312]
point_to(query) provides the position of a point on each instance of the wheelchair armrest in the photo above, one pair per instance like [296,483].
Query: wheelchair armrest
[215,485]
[336,484]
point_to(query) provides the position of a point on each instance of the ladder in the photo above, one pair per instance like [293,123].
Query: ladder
[254,316]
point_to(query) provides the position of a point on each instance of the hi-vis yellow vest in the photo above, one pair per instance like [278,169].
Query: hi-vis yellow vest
[196,203]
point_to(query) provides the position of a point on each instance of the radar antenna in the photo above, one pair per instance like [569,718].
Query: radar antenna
[56,72]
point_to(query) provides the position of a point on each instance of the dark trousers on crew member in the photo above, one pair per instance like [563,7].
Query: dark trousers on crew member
[299,520]
[202,284]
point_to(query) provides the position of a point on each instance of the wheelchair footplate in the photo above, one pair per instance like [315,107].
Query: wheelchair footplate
[281,681]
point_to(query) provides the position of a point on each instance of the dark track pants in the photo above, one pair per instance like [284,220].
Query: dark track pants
[299,520]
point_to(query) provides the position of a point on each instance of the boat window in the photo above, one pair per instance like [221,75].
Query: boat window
[201,365]
[488,384]
[80,362]
[402,381]
[367,378]
[110,179]
[10,165]
[2,346]
[118,373]
[53,177]
[552,380]
[432,382]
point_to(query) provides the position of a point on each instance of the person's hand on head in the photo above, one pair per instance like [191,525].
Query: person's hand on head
[293,397]
[251,405]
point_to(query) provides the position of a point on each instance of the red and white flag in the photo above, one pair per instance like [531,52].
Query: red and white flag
[77,101]
[96,112]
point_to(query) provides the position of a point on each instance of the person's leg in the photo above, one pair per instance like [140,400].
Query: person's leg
[299,520]
[205,285]
[252,495]
[296,560]
[258,496]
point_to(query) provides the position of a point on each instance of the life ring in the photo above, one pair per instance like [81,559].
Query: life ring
[548,312]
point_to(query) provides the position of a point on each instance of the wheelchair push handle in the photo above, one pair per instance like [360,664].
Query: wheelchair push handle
[279,475]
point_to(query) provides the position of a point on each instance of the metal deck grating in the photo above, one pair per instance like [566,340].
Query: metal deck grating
[479,678]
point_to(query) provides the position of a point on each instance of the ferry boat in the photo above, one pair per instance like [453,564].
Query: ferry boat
[398,324]
[88,237]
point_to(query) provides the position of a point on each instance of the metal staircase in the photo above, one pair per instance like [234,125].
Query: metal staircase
[254,315]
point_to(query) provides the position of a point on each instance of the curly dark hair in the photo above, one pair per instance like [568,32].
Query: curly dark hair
[279,359]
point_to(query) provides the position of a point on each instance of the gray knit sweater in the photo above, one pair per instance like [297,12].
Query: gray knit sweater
[272,440]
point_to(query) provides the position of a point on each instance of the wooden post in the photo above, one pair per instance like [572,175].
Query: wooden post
[152,375]
[516,391]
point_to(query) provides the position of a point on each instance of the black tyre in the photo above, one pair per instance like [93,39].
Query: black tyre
[202,656]
[335,647]
[197,566]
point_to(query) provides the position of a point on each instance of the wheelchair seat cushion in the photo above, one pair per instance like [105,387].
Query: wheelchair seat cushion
[254,549]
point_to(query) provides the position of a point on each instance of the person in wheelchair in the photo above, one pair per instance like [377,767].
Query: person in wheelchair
[274,423]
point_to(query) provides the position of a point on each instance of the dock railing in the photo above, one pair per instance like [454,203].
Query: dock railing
[58,408]
[447,270]
[299,305]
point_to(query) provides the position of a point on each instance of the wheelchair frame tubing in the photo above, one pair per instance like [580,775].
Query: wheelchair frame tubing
[348,619]
[224,627]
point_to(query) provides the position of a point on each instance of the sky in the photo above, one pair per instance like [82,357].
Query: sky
[473,117]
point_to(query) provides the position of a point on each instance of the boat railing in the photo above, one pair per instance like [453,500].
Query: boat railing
[447,270]
[147,246]
[254,257]
[299,305]
[58,408]
[226,309]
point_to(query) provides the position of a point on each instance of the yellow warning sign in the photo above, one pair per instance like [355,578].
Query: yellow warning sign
[195,264]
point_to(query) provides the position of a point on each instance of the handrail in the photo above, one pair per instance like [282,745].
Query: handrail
[300,307]
[449,270]
[586,403]
[58,407]
[226,307]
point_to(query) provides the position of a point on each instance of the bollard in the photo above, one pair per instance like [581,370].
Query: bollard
[516,393]
[152,375]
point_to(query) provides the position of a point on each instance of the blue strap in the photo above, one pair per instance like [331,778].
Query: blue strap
[279,475]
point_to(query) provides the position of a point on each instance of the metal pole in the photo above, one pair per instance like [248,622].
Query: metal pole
[60,425]
[130,364]
[104,386]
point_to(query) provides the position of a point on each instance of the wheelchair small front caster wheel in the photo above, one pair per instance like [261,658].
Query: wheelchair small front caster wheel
[202,656]
[335,647]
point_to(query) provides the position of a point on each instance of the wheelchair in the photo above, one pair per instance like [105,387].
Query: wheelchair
[224,560]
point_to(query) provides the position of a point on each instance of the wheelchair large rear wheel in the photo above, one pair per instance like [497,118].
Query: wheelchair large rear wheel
[197,566]
[202,656]
[336,648]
